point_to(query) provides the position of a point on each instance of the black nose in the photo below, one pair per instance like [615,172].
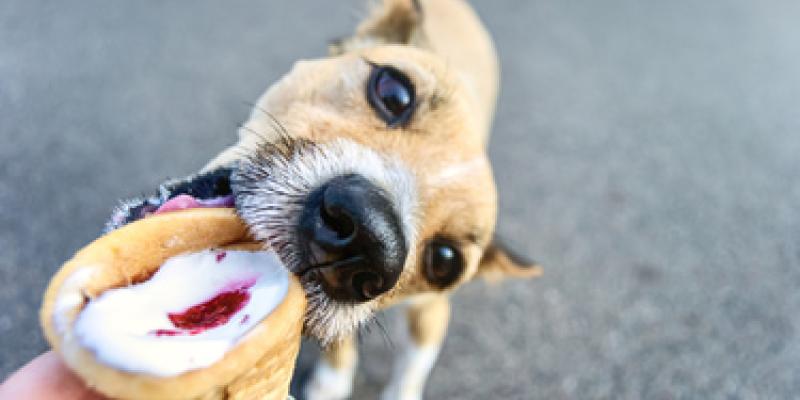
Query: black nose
[352,239]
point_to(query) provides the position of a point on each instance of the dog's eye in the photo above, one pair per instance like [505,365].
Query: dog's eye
[391,95]
[443,263]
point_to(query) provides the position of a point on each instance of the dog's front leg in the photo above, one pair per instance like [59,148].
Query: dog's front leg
[332,378]
[427,324]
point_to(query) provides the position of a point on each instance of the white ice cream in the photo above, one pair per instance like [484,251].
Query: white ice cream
[121,327]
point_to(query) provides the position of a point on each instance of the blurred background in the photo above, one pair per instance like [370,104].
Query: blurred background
[647,154]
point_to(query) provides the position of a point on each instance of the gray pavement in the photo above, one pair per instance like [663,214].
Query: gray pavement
[646,154]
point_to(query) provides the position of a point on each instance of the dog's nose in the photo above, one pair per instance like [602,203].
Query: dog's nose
[353,238]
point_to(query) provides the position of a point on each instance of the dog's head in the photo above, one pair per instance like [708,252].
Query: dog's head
[367,173]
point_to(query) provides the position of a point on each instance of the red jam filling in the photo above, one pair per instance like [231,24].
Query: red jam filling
[209,314]
[212,313]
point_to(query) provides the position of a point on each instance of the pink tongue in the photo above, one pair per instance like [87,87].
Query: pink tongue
[179,202]
[185,201]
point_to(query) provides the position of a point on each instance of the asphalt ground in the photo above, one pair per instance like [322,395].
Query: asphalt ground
[646,153]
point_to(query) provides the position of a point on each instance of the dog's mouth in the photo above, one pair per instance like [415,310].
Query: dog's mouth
[183,202]
[338,215]
[211,190]
[187,201]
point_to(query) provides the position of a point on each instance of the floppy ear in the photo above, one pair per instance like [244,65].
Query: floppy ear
[499,262]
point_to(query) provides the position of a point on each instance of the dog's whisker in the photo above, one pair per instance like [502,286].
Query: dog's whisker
[262,136]
[280,125]
[281,128]
[387,340]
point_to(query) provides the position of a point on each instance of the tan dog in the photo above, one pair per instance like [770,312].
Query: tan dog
[367,172]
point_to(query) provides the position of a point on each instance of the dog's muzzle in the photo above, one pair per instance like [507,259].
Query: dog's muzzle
[352,239]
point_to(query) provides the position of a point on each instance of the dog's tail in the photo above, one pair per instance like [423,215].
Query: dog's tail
[448,28]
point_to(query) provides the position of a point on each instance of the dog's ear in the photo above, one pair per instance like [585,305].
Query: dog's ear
[499,262]
[391,22]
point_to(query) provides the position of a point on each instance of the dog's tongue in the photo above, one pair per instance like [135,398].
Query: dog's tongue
[185,201]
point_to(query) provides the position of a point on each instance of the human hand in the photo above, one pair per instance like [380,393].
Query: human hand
[46,378]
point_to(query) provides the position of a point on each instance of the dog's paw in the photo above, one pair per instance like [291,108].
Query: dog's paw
[328,383]
[410,373]
[394,392]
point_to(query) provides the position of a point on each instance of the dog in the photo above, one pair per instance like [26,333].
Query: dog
[367,172]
